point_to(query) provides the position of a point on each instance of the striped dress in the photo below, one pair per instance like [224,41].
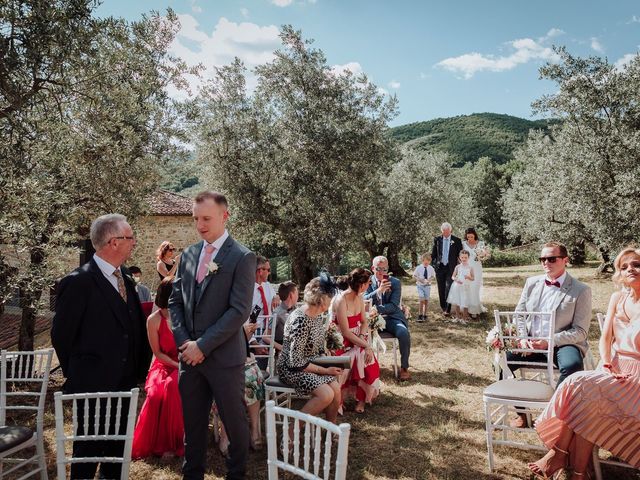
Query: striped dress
[596,406]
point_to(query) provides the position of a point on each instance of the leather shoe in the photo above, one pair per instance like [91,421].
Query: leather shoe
[404,374]
[520,421]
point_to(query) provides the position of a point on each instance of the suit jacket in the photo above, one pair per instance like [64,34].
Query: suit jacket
[572,305]
[100,340]
[389,305]
[214,319]
[454,251]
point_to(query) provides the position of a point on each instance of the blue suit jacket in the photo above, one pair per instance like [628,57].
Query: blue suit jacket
[389,305]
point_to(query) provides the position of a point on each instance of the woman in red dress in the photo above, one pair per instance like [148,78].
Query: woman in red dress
[350,316]
[160,427]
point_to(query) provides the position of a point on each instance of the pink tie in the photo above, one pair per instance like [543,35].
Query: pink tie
[206,258]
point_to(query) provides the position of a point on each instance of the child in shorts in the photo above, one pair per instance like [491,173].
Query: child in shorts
[423,275]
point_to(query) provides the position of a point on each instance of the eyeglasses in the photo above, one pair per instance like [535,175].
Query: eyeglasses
[123,238]
[172,249]
[550,259]
[381,269]
[263,268]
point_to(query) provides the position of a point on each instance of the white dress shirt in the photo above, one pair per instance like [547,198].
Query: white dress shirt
[217,244]
[547,299]
[269,293]
[107,270]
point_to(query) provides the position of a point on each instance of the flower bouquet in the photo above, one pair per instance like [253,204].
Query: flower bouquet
[483,252]
[333,338]
[496,345]
[377,323]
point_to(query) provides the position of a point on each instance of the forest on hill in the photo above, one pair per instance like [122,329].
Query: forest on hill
[466,138]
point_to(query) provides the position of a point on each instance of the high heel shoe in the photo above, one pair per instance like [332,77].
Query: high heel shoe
[541,475]
[584,474]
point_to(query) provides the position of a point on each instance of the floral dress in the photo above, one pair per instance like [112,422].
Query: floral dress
[304,339]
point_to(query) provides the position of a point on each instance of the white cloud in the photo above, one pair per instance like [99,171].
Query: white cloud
[282,3]
[382,91]
[634,19]
[525,50]
[554,32]
[394,84]
[624,60]
[424,76]
[596,45]
[353,67]
[195,8]
[244,12]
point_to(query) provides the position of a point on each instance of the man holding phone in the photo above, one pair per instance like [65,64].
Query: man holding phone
[385,293]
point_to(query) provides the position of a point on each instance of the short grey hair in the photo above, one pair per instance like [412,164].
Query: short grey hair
[446,225]
[378,260]
[104,228]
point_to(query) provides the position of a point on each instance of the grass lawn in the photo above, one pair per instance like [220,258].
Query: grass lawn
[433,426]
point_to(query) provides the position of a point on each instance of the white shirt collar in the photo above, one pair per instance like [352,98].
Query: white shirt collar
[560,279]
[217,244]
[105,267]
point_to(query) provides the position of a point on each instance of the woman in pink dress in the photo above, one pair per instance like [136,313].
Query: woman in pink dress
[600,407]
[364,375]
[160,428]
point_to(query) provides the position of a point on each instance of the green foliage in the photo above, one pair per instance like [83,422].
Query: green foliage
[510,259]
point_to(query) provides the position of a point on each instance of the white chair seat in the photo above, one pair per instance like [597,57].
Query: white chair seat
[13,436]
[518,389]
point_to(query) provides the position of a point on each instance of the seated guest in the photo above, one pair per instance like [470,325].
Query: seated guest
[167,260]
[160,429]
[600,407]
[350,316]
[557,291]
[385,293]
[288,294]
[144,294]
[265,298]
[304,339]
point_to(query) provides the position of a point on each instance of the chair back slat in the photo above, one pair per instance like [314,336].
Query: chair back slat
[307,445]
[296,442]
[327,455]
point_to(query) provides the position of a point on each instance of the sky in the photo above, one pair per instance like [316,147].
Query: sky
[440,59]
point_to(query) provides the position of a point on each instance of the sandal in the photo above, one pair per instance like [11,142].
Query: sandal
[542,475]
[581,474]
[359,408]
[255,444]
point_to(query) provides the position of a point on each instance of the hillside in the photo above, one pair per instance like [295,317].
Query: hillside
[469,137]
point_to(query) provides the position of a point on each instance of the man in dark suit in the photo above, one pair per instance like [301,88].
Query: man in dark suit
[211,299]
[444,254]
[99,331]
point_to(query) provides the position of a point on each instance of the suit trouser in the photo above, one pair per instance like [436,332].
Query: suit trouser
[568,359]
[199,385]
[443,277]
[399,330]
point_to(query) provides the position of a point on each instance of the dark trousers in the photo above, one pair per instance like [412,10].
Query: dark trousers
[199,385]
[401,332]
[443,277]
[101,448]
[568,359]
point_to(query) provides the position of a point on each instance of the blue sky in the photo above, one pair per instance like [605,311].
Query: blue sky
[440,58]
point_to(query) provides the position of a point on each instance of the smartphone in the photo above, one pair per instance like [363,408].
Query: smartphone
[385,277]
[253,317]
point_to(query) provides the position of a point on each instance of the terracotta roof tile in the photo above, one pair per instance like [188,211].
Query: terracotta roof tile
[165,202]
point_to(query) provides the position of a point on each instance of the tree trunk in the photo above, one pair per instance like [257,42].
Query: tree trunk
[394,262]
[301,266]
[607,264]
[578,253]
[29,298]
[334,264]
[414,259]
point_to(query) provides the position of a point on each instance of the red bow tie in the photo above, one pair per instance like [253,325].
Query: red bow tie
[551,284]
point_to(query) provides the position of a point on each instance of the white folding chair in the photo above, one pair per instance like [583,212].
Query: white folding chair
[529,396]
[24,377]
[312,445]
[95,417]
[274,389]
[391,341]
[597,459]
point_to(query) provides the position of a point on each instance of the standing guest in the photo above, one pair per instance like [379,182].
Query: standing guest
[477,250]
[304,338]
[160,429]
[288,293]
[600,407]
[423,275]
[210,302]
[144,294]
[557,291]
[385,293]
[167,260]
[445,251]
[364,373]
[98,333]
[460,293]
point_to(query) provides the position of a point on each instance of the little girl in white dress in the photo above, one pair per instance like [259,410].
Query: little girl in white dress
[460,292]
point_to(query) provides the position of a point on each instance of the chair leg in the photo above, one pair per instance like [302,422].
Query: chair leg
[597,467]
[395,358]
[41,459]
[489,432]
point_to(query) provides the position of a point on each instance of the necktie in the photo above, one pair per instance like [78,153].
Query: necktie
[551,284]
[265,306]
[121,288]
[206,258]
[445,251]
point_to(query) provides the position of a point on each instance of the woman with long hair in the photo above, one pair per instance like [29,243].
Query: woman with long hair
[167,259]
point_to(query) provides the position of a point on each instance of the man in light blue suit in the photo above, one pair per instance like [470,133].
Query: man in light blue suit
[211,299]
[385,292]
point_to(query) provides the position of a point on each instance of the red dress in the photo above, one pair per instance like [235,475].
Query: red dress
[363,378]
[160,427]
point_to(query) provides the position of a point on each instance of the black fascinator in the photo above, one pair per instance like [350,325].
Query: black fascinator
[327,285]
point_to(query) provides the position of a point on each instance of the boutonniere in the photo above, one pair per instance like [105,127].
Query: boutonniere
[212,268]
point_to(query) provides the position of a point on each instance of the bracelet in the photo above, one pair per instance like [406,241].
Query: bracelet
[607,365]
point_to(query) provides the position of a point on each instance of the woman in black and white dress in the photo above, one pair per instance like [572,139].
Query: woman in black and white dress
[304,340]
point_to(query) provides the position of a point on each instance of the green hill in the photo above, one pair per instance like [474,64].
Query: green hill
[469,137]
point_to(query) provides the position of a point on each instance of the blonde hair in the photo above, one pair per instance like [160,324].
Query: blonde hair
[630,250]
[314,294]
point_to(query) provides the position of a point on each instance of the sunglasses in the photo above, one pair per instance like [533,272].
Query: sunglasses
[171,249]
[263,268]
[550,259]
[381,269]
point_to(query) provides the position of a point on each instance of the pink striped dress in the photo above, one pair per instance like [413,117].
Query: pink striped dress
[596,406]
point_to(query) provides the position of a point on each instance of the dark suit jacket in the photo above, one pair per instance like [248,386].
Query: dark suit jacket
[215,319]
[389,305]
[95,333]
[454,251]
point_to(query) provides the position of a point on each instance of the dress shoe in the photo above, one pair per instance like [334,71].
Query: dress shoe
[520,421]
[420,318]
[404,374]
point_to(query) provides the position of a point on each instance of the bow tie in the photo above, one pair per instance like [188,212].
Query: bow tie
[551,284]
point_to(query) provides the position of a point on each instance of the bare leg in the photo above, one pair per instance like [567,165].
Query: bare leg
[465,313]
[582,454]
[426,307]
[557,457]
[254,421]
[331,411]
[320,399]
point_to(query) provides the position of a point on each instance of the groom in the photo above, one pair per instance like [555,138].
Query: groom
[211,300]
[444,254]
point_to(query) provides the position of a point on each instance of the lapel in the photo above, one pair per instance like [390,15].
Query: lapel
[566,286]
[219,259]
[189,275]
[114,300]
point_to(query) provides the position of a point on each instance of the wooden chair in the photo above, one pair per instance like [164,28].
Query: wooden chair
[529,396]
[310,452]
[95,417]
[24,377]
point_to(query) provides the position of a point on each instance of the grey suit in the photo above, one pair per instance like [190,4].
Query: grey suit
[212,314]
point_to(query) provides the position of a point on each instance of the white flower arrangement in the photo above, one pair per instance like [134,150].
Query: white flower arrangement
[493,341]
[212,268]
[334,339]
[377,323]
[483,253]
